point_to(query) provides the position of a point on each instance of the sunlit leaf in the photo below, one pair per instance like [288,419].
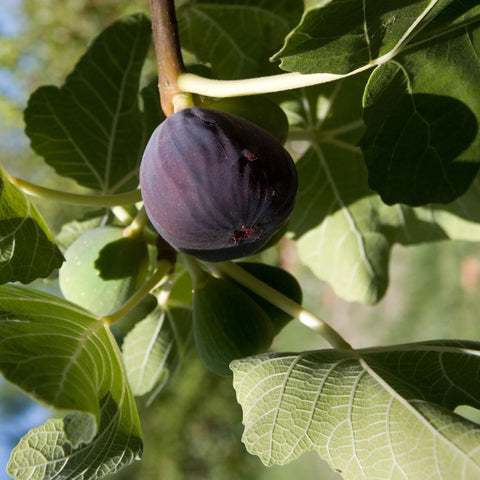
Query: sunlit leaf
[66,359]
[421,103]
[153,349]
[91,128]
[373,414]
[27,248]
[340,37]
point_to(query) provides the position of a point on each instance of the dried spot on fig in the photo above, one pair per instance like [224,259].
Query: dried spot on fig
[250,156]
[242,234]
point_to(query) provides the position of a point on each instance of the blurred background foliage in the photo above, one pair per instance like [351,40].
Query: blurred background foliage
[193,430]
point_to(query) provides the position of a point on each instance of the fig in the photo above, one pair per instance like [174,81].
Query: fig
[216,186]
[280,280]
[227,324]
[102,269]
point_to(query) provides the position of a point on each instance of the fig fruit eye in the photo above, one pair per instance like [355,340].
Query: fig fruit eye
[215,185]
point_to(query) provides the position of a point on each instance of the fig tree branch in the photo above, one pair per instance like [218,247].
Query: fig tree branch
[167,49]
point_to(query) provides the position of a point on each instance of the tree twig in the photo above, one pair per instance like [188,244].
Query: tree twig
[167,49]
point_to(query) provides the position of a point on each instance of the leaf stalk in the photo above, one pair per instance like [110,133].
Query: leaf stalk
[100,200]
[162,270]
[284,303]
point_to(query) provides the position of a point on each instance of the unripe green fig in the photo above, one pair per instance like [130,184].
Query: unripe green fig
[216,186]
[102,269]
[257,109]
[280,280]
[227,324]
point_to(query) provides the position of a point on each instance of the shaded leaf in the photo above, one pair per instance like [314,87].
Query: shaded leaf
[152,110]
[66,359]
[91,128]
[121,258]
[412,140]
[227,324]
[27,248]
[237,37]
[375,413]
[280,280]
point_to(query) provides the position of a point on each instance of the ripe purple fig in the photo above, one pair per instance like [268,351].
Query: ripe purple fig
[215,185]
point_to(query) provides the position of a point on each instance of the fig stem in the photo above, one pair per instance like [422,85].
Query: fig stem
[137,228]
[122,214]
[197,273]
[284,303]
[99,200]
[162,270]
[167,49]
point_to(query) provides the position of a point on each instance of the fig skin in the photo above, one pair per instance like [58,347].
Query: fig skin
[216,186]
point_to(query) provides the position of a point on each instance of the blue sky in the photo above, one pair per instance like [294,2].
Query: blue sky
[10,18]
[10,25]
[30,414]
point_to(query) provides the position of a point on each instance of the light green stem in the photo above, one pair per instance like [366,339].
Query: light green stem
[188,82]
[163,267]
[122,214]
[284,303]
[112,200]
[197,274]
[138,228]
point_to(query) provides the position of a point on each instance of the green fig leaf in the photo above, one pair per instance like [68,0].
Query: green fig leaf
[91,128]
[422,116]
[152,108]
[412,140]
[70,231]
[327,40]
[152,351]
[257,109]
[376,413]
[280,280]
[66,359]
[27,248]
[181,293]
[344,231]
[227,324]
[237,37]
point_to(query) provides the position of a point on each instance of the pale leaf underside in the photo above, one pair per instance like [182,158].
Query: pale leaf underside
[376,414]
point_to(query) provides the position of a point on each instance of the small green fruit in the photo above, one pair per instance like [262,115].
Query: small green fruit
[227,324]
[102,269]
